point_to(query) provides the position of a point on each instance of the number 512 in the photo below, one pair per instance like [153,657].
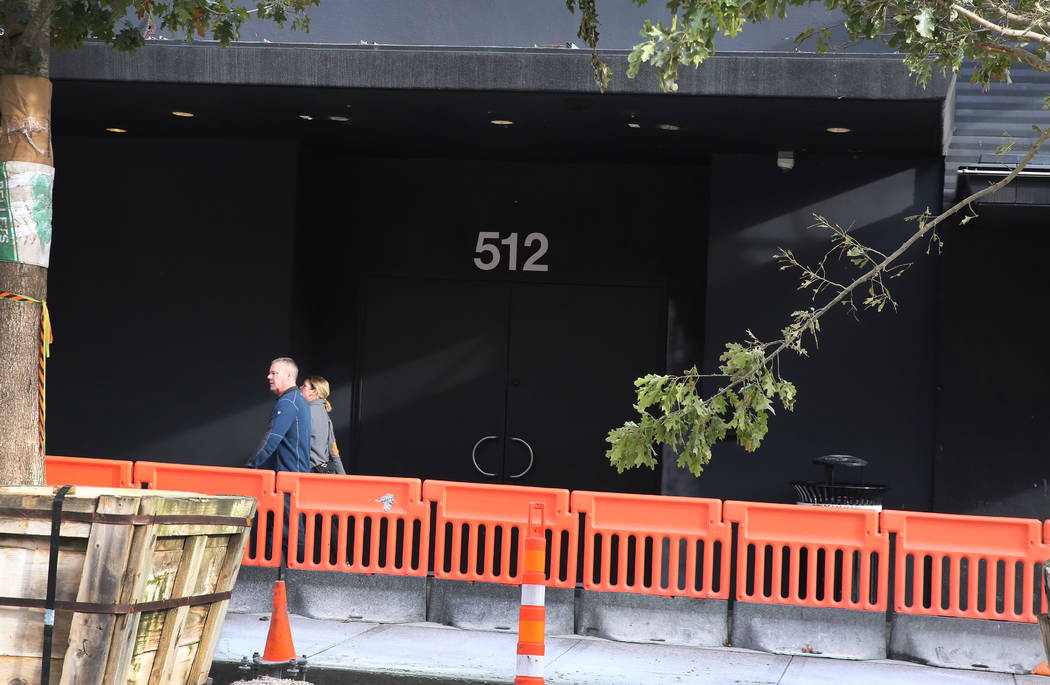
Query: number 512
[490,254]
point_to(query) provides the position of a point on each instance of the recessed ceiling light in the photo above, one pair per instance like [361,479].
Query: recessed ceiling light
[117,130]
[837,129]
[306,117]
[336,117]
[633,125]
[183,114]
[501,122]
[669,127]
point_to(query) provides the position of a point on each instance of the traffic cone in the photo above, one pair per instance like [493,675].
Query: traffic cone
[1042,669]
[532,616]
[279,647]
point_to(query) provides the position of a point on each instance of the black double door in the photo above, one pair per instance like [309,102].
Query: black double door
[503,382]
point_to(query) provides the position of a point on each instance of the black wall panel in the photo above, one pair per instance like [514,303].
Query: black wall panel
[868,389]
[170,291]
[993,408]
[176,281]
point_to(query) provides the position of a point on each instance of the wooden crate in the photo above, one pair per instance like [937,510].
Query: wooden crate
[143,582]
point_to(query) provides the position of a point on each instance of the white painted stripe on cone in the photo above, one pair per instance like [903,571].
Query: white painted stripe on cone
[532,595]
[530,665]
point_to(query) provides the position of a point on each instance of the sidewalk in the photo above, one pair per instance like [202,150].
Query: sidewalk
[349,653]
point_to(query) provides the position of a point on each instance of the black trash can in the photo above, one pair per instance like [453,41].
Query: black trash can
[830,493]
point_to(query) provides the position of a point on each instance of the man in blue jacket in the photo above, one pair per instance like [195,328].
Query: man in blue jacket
[286,444]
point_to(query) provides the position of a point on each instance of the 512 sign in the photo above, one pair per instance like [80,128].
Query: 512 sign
[491,256]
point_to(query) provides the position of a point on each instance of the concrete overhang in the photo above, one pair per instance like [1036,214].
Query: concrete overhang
[433,100]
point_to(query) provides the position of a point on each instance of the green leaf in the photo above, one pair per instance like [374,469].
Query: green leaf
[924,23]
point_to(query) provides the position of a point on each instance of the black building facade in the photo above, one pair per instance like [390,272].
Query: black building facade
[482,294]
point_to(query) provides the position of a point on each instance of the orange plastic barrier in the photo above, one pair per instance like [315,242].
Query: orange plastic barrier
[652,544]
[220,480]
[480,531]
[967,566]
[103,473]
[809,555]
[362,524]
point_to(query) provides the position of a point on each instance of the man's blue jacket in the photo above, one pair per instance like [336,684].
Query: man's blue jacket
[286,444]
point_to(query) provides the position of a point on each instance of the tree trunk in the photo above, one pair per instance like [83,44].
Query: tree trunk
[25,137]
[21,456]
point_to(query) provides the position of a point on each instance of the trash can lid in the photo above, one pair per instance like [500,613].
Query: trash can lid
[840,460]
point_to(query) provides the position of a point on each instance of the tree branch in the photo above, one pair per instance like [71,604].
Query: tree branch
[1017,18]
[1032,60]
[881,266]
[1002,30]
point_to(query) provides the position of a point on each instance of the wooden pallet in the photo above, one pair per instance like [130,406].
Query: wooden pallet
[144,578]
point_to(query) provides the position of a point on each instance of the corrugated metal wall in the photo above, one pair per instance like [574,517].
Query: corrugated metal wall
[983,120]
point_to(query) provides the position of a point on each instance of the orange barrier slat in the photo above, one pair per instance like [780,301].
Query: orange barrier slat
[361,524]
[968,566]
[809,555]
[104,473]
[262,549]
[679,546]
[480,531]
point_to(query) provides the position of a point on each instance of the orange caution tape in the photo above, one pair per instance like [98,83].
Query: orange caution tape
[46,338]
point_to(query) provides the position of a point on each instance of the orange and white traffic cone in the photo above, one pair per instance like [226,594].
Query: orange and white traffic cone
[1041,669]
[279,647]
[532,617]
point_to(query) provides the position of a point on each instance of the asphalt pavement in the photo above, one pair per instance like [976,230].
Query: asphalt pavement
[357,652]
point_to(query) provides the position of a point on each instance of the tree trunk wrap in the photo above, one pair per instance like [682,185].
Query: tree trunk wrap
[25,119]
[24,132]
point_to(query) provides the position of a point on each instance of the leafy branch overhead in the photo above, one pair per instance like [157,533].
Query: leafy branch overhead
[125,24]
[995,34]
[692,412]
[221,19]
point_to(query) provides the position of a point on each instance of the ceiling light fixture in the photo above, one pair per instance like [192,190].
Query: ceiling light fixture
[117,130]
[306,117]
[668,127]
[631,124]
[838,129]
[183,114]
[336,117]
[501,122]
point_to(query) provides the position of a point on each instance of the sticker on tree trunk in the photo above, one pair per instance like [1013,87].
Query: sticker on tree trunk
[25,212]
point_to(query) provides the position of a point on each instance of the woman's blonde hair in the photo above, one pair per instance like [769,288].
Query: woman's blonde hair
[319,384]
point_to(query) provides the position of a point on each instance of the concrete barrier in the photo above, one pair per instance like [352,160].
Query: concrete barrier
[333,595]
[493,606]
[357,597]
[648,618]
[966,643]
[786,629]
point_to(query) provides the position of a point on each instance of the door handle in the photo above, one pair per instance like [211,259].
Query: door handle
[474,455]
[532,457]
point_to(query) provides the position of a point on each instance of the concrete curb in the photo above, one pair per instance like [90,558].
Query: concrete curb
[967,643]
